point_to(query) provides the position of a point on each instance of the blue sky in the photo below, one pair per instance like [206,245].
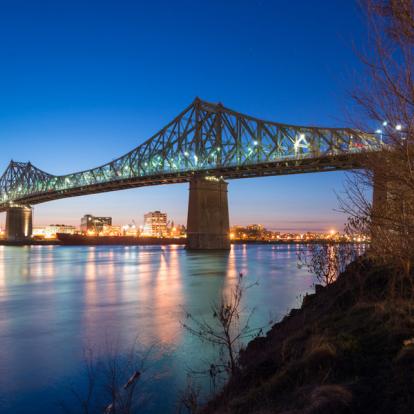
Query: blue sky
[82,82]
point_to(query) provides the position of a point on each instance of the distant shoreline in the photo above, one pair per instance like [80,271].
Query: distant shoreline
[121,241]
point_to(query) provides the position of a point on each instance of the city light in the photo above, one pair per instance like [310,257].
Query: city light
[50,232]
[258,233]
[398,127]
[92,226]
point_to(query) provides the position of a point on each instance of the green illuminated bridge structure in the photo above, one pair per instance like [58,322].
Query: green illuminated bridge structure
[204,145]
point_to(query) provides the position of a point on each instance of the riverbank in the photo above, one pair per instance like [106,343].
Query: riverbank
[346,350]
[30,243]
[80,240]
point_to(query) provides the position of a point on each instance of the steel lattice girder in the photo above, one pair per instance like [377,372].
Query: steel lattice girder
[205,138]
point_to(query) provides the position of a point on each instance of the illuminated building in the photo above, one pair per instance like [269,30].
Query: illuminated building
[256,232]
[251,232]
[130,230]
[155,224]
[49,232]
[177,231]
[92,224]
[59,228]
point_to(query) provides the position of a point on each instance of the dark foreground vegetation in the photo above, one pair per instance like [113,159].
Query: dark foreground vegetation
[349,349]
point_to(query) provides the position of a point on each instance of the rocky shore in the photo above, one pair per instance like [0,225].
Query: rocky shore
[348,349]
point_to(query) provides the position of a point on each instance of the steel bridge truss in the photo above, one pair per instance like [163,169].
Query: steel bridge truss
[205,138]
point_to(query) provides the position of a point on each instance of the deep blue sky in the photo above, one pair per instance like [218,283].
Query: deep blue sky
[82,82]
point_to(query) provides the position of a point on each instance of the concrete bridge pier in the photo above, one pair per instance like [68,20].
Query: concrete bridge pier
[19,225]
[379,195]
[208,214]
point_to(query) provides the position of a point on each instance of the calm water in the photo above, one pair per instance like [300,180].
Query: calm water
[55,302]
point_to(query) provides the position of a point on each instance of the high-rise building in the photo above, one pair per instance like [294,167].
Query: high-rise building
[95,224]
[155,224]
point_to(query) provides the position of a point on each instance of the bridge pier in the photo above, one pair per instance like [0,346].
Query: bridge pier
[19,225]
[379,201]
[379,194]
[208,215]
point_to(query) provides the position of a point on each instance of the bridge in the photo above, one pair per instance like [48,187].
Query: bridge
[204,145]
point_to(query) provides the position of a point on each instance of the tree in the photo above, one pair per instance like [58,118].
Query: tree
[230,326]
[327,260]
[114,384]
[387,98]
[189,398]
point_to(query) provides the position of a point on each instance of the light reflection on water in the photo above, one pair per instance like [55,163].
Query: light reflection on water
[56,301]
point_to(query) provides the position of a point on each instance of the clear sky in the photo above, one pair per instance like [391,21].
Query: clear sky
[82,82]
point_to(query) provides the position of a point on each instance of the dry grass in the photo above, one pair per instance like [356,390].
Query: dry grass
[328,399]
[341,352]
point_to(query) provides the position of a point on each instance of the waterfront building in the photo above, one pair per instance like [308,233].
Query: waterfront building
[250,232]
[155,224]
[113,231]
[49,232]
[94,224]
[257,232]
[53,229]
[131,230]
[177,231]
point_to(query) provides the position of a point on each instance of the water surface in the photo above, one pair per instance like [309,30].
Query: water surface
[57,301]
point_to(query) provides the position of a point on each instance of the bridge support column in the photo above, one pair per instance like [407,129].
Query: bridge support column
[379,206]
[208,214]
[19,223]
[379,195]
[389,210]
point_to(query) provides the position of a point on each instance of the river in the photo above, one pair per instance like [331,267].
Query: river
[58,302]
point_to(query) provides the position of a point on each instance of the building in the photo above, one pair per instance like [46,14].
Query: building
[94,224]
[176,231]
[49,232]
[53,229]
[250,232]
[256,231]
[155,224]
[113,231]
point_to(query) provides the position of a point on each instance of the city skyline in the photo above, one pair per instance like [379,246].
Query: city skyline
[67,115]
[240,214]
[140,222]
